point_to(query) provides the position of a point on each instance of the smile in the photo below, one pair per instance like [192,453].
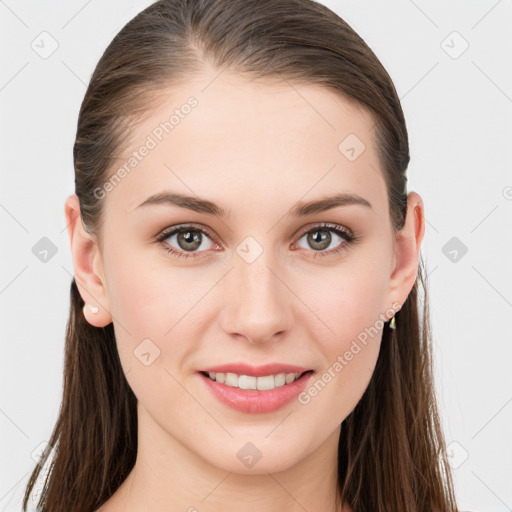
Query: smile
[256,395]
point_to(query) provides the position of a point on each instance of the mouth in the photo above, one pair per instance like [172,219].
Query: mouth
[255,394]
[260,383]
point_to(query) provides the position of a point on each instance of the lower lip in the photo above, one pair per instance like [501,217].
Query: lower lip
[255,401]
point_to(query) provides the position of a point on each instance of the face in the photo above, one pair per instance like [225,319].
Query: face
[257,281]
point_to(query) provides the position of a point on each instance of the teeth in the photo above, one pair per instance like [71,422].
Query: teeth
[290,377]
[231,380]
[280,379]
[249,382]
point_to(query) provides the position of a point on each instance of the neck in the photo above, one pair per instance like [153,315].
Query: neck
[169,476]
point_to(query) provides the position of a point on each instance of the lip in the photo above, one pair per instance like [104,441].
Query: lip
[256,371]
[255,401]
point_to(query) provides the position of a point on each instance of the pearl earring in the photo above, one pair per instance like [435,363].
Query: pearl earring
[94,309]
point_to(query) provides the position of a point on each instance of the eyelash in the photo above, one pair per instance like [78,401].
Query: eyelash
[339,230]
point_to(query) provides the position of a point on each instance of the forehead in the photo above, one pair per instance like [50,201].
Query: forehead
[250,143]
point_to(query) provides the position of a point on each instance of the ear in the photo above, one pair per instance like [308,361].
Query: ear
[87,266]
[404,269]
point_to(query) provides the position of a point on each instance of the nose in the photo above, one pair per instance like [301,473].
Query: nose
[257,303]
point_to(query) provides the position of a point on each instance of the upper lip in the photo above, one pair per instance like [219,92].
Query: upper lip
[256,371]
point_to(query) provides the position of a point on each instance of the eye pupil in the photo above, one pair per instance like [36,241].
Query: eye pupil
[189,240]
[324,238]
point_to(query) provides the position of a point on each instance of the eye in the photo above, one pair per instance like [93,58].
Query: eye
[320,238]
[189,240]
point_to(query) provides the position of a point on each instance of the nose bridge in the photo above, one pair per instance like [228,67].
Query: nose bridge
[258,305]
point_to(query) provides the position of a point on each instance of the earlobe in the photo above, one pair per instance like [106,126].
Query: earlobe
[89,279]
[407,249]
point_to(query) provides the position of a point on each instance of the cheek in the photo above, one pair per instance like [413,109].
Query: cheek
[350,346]
[350,305]
[347,301]
[151,297]
[151,309]
[149,305]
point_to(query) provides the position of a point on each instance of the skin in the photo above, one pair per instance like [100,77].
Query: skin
[256,149]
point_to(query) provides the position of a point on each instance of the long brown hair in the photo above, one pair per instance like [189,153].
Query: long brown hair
[391,452]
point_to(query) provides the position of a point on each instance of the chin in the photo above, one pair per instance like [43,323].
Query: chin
[252,458]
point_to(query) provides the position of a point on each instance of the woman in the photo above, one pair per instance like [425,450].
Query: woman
[245,330]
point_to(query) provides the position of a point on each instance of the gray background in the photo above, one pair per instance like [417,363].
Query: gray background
[458,106]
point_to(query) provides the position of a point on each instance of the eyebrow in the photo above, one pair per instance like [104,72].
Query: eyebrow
[301,209]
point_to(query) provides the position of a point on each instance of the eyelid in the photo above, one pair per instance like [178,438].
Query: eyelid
[167,232]
[327,226]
